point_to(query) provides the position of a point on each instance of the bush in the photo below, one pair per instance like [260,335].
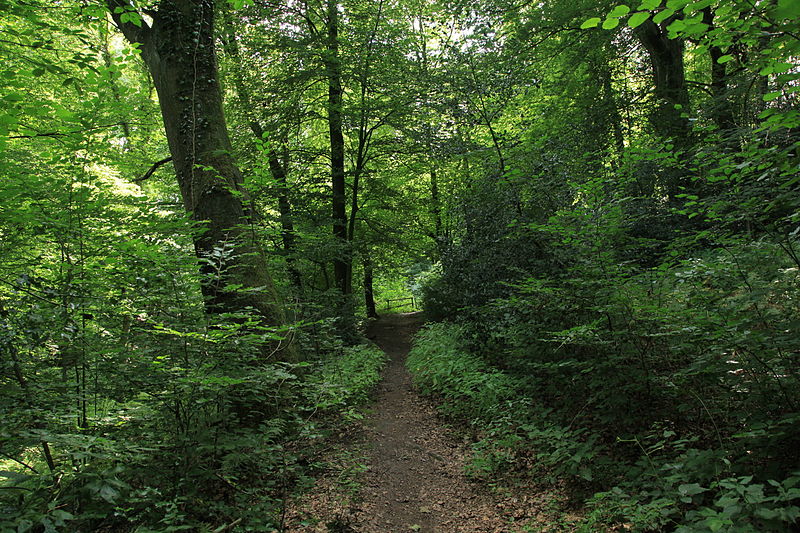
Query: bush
[669,390]
[345,382]
[496,407]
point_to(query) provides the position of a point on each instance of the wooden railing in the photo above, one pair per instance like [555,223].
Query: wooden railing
[397,303]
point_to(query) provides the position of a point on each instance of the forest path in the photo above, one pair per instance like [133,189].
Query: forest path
[413,478]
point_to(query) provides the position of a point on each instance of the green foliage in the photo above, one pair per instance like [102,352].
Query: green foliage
[623,294]
[495,406]
[394,296]
[437,299]
[728,504]
[643,362]
[648,337]
[469,389]
[198,443]
[345,382]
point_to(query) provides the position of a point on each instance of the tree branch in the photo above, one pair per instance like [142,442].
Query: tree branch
[152,170]
[73,132]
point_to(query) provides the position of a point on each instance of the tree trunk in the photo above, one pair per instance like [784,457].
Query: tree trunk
[364,139]
[276,167]
[278,171]
[666,58]
[721,110]
[436,211]
[178,50]
[334,74]
[669,78]
[351,223]
[369,293]
[611,109]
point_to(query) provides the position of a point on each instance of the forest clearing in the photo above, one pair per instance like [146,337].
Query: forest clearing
[399,265]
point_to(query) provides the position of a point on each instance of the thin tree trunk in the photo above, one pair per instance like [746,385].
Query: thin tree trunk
[721,110]
[615,117]
[369,293]
[436,206]
[288,236]
[351,224]
[364,137]
[276,167]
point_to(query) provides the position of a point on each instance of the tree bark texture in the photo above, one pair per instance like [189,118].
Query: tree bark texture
[369,292]
[668,119]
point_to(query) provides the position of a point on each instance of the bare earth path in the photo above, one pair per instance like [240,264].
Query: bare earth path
[414,478]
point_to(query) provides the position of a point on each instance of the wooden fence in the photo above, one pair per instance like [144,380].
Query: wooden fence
[397,303]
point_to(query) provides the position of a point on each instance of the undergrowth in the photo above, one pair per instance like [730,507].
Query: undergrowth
[494,404]
[216,447]
[654,480]
[343,383]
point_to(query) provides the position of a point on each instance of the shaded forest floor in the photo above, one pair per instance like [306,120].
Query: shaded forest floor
[402,468]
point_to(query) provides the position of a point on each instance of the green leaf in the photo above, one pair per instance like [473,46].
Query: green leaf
[663,15]
[690,489]
[676,26]
[619,11]
[610,24]
[109,493]
[637,19]
[788,9]
[698,28]
[676,4]
[6,119]
[649,5]
[60,516]
[715,524]
[14,97]
[724,59]
[771,96]
[132,17]
[590,23]
[64,114]
[780,67]
[697,6]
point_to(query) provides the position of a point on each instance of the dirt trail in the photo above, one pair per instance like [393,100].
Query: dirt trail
[415,475]
[414,480]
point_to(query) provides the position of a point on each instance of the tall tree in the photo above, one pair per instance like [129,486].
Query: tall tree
[333,70]
[178,49]
[277,167]
[669,79]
